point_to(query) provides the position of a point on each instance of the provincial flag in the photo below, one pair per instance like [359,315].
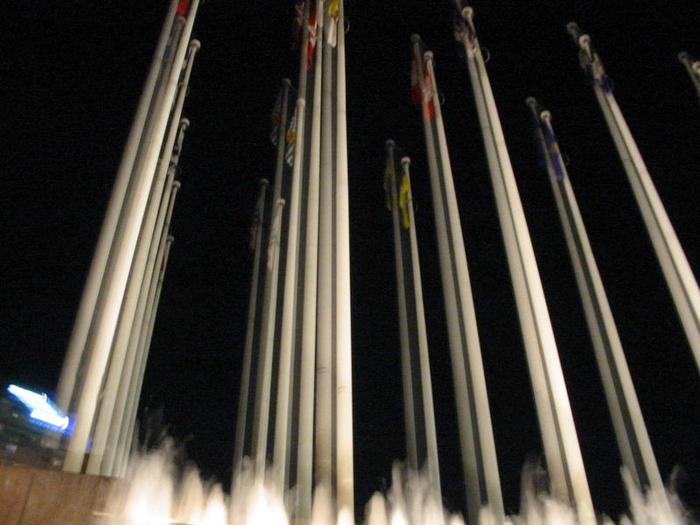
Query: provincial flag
[553,151]
[276,118]
[428,93]
[389,175]
[183,7]
[311,44]
[332,30]
[257,220]
[415,85]
[404,192]
[274,242]
[291,138]
[298,23]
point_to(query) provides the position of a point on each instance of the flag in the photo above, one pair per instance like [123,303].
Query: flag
[257,219]
[311,44]
[553,151]
[274,241]
[183,8]
[404,192]
[291,137]
[276,118]
[415,85]
[389,175]
[333,14]
[428,106]
[298,23]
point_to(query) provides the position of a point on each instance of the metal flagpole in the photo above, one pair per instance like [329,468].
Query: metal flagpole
[343,340]
[282,419]
[674,264]
[141,347]
[476,434]
[563,454]
[149,282]
[115,284]
[88,301]
[136,277]
[406,373]
[163,263]
[325,396]
[431,459]
[242,414]
[693,68]
[632,438]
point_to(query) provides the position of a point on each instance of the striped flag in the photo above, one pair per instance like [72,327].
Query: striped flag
[291,137]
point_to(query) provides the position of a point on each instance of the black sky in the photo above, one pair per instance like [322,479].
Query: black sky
[72,82]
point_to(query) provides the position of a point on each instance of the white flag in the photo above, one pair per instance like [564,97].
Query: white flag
[275,232]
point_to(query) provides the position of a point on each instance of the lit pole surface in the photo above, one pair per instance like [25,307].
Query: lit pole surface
[630,430]
[88,301]
[564,461]
[478,449]
[674,264]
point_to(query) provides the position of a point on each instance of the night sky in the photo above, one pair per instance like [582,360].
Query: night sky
[74,76]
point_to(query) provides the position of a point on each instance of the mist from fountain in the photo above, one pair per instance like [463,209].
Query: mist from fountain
[158,492]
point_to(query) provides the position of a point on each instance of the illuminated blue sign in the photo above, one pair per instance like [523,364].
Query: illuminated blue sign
[41,409]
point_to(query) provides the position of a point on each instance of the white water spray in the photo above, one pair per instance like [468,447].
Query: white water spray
[157,492]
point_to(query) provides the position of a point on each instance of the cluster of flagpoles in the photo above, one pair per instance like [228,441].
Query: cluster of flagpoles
[104,366]
[567,476]
[299,306]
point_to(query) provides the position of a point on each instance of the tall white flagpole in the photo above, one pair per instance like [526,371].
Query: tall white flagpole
[563,454]
[137,275]
[692,67]
[409,402]
[325,397]
[310,285]
[149,282]
[243,402]
[674,264]
[144,335]
[115,284]
[431,459]
[162,264]
[479,460]
[343,340]
[88,301]
[630,430]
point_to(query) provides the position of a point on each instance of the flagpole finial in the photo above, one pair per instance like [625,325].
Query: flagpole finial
[301,103]
[264,182]
[286,82]
[684,57]
[281,202]
[176,185]
[574,30]
[531,102]
[468,13]
[195,44]
[170,239]
[405,161]
[546,117]
[415,38]
[184,123]
[390,144]
[428,56]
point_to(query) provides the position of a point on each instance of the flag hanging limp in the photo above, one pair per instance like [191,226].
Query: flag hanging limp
[274,241]
[333,14]
[404,192]
[276,118]
[389,175]
[291,139]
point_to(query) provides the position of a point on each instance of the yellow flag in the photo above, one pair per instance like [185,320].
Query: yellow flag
[388,181]
[404,191]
